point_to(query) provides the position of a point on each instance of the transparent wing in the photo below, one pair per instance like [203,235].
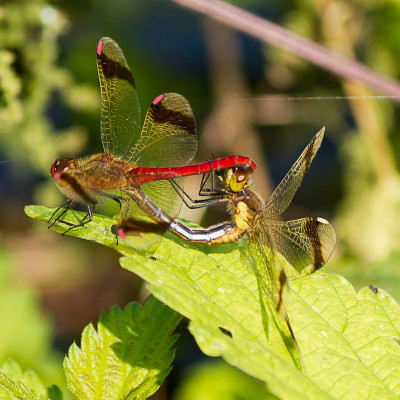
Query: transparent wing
[305,242]
[272,280]
[164,195]
[168,136]
[120,108]
[283,194]
[160,192]
[263,261]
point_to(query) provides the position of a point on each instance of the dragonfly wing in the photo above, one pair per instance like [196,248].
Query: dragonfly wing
[267,267]
[272,280]
[120,108]
[283,194]
[164,195]
[161,193]
[305,242]
[168,136]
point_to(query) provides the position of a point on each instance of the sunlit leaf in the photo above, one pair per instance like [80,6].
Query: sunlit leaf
[348,340]
[128,356]
[18,384]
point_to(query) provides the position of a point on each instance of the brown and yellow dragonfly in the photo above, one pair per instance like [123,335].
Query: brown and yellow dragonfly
[135,160]
[306,243]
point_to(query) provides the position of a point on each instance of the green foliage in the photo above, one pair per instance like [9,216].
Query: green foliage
[25,324]
[127,357]
[29,32]
[376,236]
[100,230]
[380,273]
[18,384]
[347,340]
[368,141]
[216,380]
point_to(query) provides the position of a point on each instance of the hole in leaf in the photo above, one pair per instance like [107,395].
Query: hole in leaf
[225,331]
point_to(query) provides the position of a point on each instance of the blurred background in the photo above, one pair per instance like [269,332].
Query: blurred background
[49,107]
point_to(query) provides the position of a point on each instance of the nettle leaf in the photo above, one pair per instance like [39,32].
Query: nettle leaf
[349,341]
[221,299]
[18,384]
[98,230]
[128,356]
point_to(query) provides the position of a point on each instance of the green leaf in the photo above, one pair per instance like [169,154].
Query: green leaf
[98,230]
[385,273]
[18,384]
[221,299]
[54,393]
[128,356]
[348,341]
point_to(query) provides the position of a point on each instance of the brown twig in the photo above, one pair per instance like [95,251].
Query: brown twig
[305,48]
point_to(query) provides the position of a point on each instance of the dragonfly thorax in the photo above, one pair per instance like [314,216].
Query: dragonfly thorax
[246,209]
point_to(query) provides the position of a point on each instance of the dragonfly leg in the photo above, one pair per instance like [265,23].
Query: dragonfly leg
[213,190]
[118,199]
[198,203]
[68,203]
[82,222]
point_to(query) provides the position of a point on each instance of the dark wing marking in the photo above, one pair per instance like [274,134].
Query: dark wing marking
[305,242]
[120,108]
[169,131]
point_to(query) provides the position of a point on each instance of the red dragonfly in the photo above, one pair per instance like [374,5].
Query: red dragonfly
[167,139]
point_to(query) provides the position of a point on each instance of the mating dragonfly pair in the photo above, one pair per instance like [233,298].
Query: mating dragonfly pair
[141,170]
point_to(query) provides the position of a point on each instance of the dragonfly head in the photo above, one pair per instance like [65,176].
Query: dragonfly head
[61,166]
[236,179]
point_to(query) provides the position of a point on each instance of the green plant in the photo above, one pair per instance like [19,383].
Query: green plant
[349,341]
[127,357]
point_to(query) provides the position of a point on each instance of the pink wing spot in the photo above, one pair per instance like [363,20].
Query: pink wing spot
[121,233]
[99,47]
[158,99]
[56,176]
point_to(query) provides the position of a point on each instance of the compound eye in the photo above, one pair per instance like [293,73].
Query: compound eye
[241,175]
[62,165]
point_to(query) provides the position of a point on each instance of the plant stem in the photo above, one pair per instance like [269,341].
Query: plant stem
[274,34]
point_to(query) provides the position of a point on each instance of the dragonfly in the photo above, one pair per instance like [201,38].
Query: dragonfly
[134,160]
[305,243]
